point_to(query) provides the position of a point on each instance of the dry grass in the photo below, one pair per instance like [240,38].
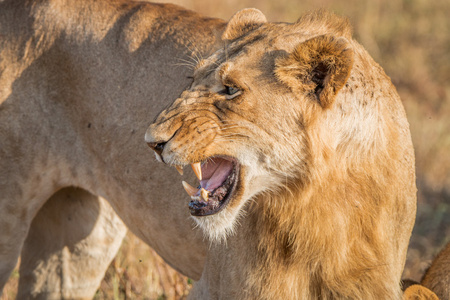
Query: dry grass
[411,40]
[138,273]
[10,290]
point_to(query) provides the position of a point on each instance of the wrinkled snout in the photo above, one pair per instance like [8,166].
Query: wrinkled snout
[184,132]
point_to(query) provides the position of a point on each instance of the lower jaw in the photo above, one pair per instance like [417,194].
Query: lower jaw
[213,206]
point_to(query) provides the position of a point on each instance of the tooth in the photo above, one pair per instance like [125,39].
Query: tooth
[197,170]
[189,189]
[205,194]
[179,169]
[158,157]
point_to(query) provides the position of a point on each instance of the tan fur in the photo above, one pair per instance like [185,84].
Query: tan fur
[244,21]
[418,292]
[318,55]
[79,83]
[63,260]
[437,277]
[326,198]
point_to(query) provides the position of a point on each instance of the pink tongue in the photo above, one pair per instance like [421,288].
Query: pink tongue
[215,172]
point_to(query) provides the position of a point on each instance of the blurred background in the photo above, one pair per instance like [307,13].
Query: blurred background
[410,39]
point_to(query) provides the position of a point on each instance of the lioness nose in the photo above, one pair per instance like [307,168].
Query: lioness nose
[157,147]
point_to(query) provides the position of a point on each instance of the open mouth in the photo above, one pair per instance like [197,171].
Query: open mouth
[218,180]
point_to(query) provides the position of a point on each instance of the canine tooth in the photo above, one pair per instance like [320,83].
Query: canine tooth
[158,157]
[205,194]
[179,169]
[189,188]
[197,170]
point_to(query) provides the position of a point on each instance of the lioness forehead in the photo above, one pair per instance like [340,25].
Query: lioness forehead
[267,38]
[270,37]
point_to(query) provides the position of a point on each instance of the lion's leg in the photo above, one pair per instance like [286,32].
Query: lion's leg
[70,245]
[14,225]
[12,236]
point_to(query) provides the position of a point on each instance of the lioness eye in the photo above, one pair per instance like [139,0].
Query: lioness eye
[229,90]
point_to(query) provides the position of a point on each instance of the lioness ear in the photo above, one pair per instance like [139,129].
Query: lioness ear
[242,22]
[317,68]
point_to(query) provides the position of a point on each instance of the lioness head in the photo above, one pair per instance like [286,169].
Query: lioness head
[245,124]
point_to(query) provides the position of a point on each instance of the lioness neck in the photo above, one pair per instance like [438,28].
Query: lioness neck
[315,243]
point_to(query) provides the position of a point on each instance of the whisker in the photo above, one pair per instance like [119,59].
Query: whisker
[196,52]
[216,63]
[187,61]
[183,65]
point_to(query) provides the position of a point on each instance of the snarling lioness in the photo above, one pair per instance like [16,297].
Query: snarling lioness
[305,162]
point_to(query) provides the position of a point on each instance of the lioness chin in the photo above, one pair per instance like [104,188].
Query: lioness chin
[305,162]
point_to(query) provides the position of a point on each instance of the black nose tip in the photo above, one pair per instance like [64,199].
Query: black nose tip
[157,147]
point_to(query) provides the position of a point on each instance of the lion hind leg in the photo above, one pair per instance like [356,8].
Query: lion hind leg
[10,246]
[71,243]
[14,225]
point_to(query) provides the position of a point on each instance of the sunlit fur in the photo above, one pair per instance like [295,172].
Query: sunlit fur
[327,182]
[419,292]
[221,225]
